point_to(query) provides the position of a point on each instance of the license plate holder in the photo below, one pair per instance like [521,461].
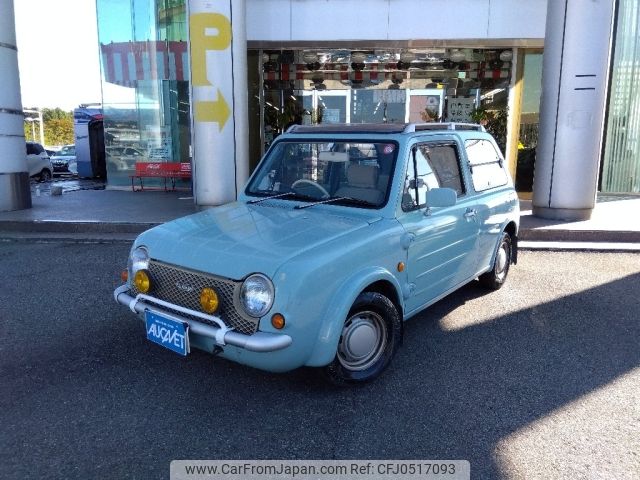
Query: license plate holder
[167,332]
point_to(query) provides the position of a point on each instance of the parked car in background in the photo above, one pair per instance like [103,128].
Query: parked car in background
[342,233]
[124,158]
[38,162]
[60,161]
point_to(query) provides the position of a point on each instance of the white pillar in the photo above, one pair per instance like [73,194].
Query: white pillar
[14,177]
[218,53]
[574,91]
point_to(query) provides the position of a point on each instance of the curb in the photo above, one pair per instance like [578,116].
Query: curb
[126,232]
[578,236]
[60,227]
[68,238]
[563,246]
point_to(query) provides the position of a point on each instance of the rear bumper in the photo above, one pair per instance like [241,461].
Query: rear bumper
[220,334]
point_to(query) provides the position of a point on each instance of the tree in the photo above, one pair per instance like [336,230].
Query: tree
[58,131]
[55,114]
[58,127]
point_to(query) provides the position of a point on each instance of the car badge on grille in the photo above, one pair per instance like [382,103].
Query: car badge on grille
[184,287]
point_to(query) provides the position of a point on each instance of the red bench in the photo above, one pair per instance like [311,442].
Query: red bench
[165,170]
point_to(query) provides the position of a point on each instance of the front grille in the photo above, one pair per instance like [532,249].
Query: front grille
[182,287]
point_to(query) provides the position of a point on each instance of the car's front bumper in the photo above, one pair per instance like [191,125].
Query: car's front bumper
[220,334]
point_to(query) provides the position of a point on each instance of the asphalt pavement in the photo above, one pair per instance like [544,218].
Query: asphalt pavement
[539,380]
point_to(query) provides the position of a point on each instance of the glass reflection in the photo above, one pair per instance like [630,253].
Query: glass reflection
[145,71]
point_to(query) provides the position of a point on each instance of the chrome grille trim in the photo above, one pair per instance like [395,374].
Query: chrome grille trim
[182,286]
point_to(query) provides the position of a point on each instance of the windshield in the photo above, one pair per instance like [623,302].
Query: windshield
[353,173]
[66,151]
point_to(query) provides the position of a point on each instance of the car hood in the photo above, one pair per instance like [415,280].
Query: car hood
[237,239]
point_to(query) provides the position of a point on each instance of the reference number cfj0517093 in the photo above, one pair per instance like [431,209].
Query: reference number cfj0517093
[320,469]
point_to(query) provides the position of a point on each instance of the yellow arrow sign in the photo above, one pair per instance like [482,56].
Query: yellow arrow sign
[216,111]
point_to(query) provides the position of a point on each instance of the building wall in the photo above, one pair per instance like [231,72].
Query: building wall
[145,87]
[335,20]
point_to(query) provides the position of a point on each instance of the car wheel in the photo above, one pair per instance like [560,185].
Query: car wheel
[45,175]
[370,338]
[495,278]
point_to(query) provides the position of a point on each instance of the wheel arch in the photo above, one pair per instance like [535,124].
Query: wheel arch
[386,288]
[512,229]
[377,280]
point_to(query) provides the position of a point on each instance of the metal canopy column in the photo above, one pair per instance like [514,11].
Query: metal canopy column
[574,85]
[220,139]
[15,191]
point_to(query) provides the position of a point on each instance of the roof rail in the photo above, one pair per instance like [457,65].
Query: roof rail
[416,127]
[346,128]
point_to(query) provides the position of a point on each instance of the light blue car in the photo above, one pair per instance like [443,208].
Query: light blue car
[342,233]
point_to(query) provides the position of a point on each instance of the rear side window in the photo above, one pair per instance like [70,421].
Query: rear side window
[444,161]
[435,166]
[487,166]
[34,149]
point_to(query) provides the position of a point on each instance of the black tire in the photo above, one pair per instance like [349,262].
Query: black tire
[45,175]
[373,329]
[495,278]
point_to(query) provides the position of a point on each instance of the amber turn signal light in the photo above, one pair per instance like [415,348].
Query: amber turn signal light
[401,267]
[124,276]
[277,321]
[142,281]
[209,300]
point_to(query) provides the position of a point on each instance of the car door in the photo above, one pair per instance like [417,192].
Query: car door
[490,180]
[442,242]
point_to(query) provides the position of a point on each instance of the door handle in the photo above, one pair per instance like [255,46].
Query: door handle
[470,213]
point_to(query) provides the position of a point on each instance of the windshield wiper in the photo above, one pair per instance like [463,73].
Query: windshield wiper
[279,195]
[293,195]
[355,201]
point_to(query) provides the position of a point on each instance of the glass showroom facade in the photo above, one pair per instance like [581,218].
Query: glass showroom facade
[147,117]
[621,161]
[145,87]
[145,73]
[381,85]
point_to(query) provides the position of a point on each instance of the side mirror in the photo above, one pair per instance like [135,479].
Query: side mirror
[419,183]
[441,197]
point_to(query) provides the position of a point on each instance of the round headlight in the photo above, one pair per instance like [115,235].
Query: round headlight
[256,295]
[138,260]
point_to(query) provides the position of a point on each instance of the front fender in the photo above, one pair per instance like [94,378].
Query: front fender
[334,316]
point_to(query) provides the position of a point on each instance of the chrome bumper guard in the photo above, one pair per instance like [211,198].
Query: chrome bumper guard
[222,335]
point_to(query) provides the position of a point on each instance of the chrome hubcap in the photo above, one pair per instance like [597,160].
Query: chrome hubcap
[363,341]
[502,260]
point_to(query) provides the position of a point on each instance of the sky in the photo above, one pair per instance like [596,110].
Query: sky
[57,53]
